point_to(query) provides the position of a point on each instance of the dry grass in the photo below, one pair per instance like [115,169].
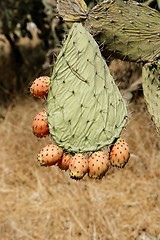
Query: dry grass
[45,204]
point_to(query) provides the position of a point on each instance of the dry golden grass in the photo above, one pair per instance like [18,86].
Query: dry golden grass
[39,203]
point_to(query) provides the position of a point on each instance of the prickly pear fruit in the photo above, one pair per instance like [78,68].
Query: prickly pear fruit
[78,166]
[40,125]
[63,163]
[50,155]
[98,164]
[119,153]
[40,87]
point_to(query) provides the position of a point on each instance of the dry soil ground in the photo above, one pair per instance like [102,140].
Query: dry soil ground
[38,203]
[45,204]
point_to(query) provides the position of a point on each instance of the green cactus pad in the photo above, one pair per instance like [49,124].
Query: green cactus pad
[85,108]
[151,89]
[128,29]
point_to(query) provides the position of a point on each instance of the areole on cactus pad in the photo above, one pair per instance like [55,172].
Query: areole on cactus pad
[84,106]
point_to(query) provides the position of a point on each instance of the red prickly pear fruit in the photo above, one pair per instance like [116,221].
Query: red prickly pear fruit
[78,166]
[63,163]
[40,125]
[98,165]
[119,153]
[50,155]
[40,87]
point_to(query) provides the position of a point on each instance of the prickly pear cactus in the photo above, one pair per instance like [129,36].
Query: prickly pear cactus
[127,29]
[151,89]
[72,11]
[85,108]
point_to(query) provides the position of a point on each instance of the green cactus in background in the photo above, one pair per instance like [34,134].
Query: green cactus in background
[129,31]
[151,89]
[85,108]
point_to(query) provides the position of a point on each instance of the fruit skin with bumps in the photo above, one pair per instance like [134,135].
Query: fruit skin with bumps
[78,166]
[98,165]
[50,155]
[40,125]
[63,163]
[40,87]
[119,153]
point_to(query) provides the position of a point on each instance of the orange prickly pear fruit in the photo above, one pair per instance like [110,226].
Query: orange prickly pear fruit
[98,165]
[119,153]
[50,155]
[40,87]
[40,125]
[78,166]
[63,163]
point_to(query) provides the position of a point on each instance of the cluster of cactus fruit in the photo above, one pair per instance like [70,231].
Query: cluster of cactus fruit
[95,164]
[85,112]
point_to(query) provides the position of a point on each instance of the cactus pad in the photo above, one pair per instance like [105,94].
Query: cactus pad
[72,11]
[151,89]
[85,108]
[128,29]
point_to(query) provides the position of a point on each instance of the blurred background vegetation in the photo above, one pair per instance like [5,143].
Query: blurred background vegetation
[31,36]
